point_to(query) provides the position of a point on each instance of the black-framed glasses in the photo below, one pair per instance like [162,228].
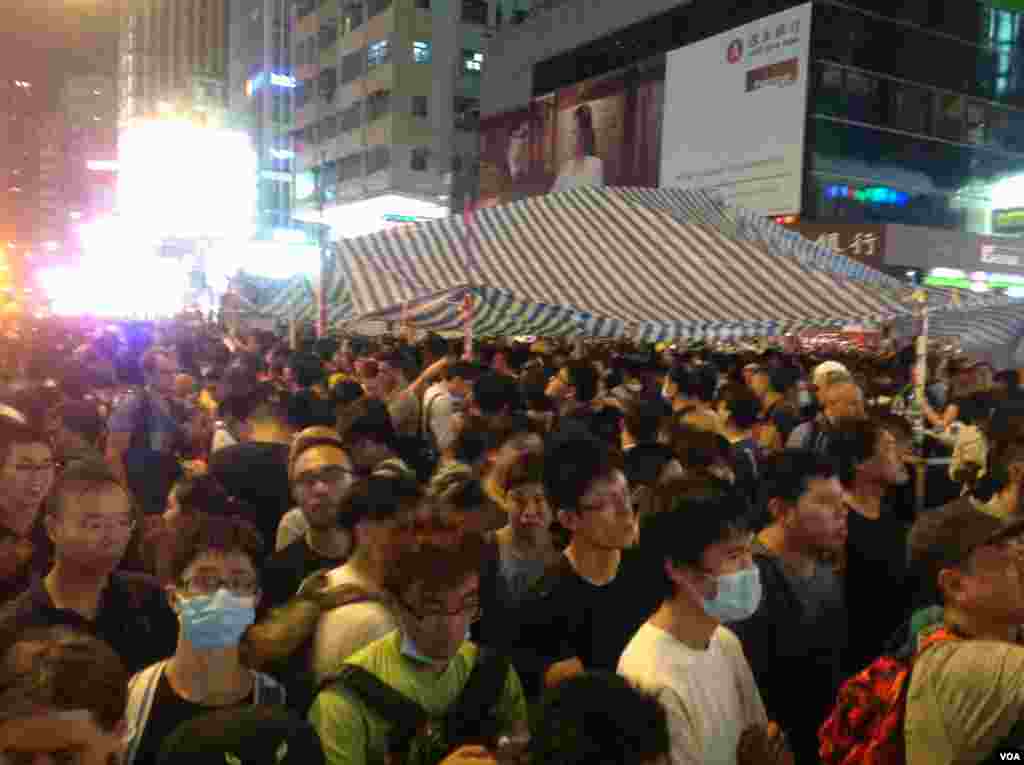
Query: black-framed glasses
[331,475]
[208,584]
[474,609]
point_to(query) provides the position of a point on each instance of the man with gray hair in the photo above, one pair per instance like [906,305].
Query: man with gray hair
[841,399]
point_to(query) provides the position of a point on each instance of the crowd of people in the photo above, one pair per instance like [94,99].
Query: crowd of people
[223,548]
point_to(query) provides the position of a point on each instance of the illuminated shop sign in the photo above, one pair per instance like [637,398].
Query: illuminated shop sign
[872,195]
[1009,221]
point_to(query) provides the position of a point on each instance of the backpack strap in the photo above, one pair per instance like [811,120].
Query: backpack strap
[472,717]
[407,717]
[267,691]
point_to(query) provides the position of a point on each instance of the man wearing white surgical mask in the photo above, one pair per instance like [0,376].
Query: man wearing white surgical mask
[215,592]
[683,653]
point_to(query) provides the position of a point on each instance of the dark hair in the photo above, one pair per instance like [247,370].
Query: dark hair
[214,534]
[599,717]
[744,407]
[585,125]
[83,418]
[527,468]
[696,382]
[783,377]
[67,671]
[696,448]
[367,418]
[13,432]
[496,393]
[465,370]
[80,477]
[205,494]
[344,393]
[852,444]
[695,521]
[439,568]
[378,498]
[435,345]
[584,378]
[572,462]
[787,475]
[308,369]
[975,409]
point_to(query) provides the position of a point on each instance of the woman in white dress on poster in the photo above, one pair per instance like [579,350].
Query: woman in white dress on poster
[585,168]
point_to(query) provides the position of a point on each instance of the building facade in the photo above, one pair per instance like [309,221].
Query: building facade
[89,107]
[387,105]
[260,86]
[914,111]
[20,114]
[172,57]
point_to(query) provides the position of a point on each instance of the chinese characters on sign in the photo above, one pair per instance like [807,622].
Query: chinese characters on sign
[862,242]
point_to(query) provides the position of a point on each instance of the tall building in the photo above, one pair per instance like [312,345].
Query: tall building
[89,106]
[903,142]
[51,195]
[20,113]
[173,57]
[260,85]
[386,106]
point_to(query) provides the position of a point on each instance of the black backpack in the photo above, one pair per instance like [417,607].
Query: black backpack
[418,739]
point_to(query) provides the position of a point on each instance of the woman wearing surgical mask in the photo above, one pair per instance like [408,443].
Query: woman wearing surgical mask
[707,576]
[214,590]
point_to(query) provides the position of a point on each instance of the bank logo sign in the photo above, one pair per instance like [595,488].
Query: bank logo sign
[735,113]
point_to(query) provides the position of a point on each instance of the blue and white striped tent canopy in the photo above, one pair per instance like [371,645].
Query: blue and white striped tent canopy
[993,334]
[645,264]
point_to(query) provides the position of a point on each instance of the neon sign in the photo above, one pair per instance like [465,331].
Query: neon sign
[872,195]
[276,79]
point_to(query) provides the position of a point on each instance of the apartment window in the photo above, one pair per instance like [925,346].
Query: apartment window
[328,84]
[328,35]
[423,5]
[350,167]
[467,113]
[378,53]
[472,61]
[353,65]
[328,128]
[419,106]
[378,158]
[373,7]
[456,164]
[351,118]
[474,11]
[378,105]
[420,158]
[352,16]
[421,52]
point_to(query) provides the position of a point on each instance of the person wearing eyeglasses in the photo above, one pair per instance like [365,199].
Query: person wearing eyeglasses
[320,472]
[430,661]
[214,589]
[90,522]
[27,469]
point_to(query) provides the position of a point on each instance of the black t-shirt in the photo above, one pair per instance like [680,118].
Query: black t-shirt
[257,474]
[285,570]
[169,711]
[798,631]
[567,617]
[876,583]
[134,618]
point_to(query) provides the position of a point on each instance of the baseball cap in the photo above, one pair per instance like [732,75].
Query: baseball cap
[946,537]
[254,734]
[825,368]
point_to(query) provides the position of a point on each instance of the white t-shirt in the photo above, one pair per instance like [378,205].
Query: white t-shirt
[343,631]
[710,696]
[576,174]
[438,404]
